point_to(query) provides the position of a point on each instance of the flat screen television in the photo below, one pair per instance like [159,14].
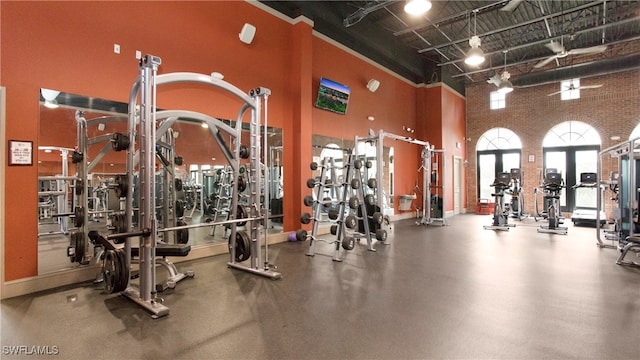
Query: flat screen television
[333,96]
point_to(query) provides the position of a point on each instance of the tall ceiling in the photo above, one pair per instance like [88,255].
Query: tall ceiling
[432,47]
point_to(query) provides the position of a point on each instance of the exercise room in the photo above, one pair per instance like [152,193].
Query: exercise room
[273,179]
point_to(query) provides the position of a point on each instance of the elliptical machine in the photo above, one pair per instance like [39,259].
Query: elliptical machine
[500,212]
[517,198]
[552,186]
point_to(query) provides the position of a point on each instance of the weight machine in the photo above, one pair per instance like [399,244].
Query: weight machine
[552,186]
[430,159]
[626,187]
[500,214]
[153,125]
[53,193]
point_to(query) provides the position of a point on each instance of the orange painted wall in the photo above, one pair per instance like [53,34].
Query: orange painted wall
[393,106]
[76,56]
[444,125]
[453,134]
[69,46]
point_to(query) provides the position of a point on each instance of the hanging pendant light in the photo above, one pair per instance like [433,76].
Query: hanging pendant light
[475,56]
[505,85]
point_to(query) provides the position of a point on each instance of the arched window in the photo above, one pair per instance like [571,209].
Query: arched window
[498,138]
[635,134]
[498,150]
[571,133]
[571,148]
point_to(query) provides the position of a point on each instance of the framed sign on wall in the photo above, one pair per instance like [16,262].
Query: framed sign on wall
[20,153]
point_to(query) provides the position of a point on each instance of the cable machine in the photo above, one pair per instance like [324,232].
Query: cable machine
[626,186]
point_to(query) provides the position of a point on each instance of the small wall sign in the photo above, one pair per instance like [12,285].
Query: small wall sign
[20,152]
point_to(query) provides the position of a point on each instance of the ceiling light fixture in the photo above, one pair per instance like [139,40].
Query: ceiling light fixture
[417,7]
[505,85]
[475,56]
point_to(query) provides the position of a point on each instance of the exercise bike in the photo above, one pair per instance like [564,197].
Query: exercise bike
[552,186]
[500,211]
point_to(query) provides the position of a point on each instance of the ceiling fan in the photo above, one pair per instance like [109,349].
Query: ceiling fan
[573,87]
[561,52]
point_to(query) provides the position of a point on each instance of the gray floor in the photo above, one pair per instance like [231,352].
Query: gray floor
[454,292]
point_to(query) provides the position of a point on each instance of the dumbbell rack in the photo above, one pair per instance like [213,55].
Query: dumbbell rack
[222,195]
[343,238]
[357,186]
[366,202]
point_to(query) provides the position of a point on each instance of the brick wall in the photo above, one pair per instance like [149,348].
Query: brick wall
[613,110]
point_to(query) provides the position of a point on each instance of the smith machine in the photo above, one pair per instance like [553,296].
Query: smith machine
[243,245]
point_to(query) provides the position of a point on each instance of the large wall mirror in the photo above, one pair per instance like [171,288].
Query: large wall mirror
[199,165]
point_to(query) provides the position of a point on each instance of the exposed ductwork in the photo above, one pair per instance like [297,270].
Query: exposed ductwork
[585,70]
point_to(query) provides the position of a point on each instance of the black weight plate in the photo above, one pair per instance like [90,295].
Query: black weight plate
[305,218]
[354,202]
[78,219]
[125,270]
[301,235]
[244,152]
[241,214]
[247,246]
[242,184]
[308,200]
[381,234]
[72,245]
[351,222]
[109,271]
[377,217]
[179,208]
[311,183]
[348,243]
[239,245]
[79,246]
[370,200]
[122,186]
[121,271]
[178,184]
[182,235]
[334,229]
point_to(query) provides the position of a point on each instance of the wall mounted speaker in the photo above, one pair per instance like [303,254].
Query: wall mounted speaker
[247,33]
[373,85]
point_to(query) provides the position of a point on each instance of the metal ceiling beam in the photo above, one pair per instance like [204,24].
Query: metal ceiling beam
[362,12]
[538,42]
[425,40]
[439,22]
[468,73]
[535,20]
